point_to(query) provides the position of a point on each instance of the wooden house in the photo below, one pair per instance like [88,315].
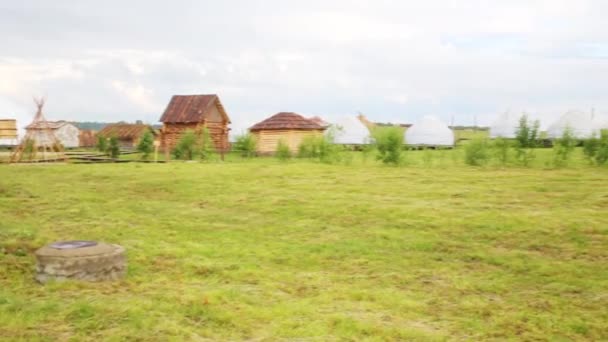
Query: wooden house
[8,131]
[291,128]
[87,138]
[128,135]
[195,112]
[65,132]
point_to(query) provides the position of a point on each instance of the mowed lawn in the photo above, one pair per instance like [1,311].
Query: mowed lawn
[263,250]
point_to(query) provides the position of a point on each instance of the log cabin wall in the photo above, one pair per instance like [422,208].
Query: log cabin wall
[268,140]
[172,132]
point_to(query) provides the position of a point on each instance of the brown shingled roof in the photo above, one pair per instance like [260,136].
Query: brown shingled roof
[190,108]
[286,121]
[125,131]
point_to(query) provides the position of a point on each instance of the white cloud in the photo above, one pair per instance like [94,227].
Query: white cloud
[390,59]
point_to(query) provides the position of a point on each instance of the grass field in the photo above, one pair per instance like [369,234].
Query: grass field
[263,250]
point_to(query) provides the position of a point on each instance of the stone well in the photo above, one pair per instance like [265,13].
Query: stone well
[80,260]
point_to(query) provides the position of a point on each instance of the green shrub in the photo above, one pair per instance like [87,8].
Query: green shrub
[601,156]
[102,144]
[320,147]
[283,152]
[526,137]
[563,148]
[246,145]
[501,148]
[308,147]
[476,152]
[204,147]
[113,147]
[146,145]
[185,148]
[590,147]
[389,144]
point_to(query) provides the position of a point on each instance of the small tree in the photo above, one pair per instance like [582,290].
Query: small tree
[186,146]
[389,143]
[283,152]
[246,145]
[146,145]
[476,152]
[563,147]
[526,136]
[113,147]
[102,144]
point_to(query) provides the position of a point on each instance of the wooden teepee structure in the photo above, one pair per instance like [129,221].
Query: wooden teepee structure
[39,143]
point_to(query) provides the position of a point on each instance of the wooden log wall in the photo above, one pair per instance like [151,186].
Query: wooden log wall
[269,140]
[171,133]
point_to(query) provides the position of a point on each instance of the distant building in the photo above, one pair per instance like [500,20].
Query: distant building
[195,113]
[290,128]
[87,138]
[350,130]
[128,135]
[8,132]
[429,132]
[65,132]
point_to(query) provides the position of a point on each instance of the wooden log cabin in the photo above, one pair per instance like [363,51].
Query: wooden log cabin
[291,128]
[128,135]
[195,112]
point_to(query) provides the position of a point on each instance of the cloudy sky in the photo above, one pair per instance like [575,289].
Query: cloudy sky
[391,60]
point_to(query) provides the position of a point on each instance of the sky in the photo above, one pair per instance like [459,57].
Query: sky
[464,61]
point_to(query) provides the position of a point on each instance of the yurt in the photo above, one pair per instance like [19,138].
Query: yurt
[290,128]
[582,125]
[429,131]
[349,131]
[506,125]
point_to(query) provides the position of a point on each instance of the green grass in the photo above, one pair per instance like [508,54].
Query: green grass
[263,250]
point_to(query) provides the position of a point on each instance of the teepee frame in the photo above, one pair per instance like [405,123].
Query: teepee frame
[39,137]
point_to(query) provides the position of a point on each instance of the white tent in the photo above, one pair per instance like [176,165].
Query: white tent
[429,131]
[582,125]
[602,120]
[505,125]
[349,131]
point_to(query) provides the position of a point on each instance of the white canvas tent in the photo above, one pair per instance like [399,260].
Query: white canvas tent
[349,131]
[505,125]
[602,120]
[582,124]
[429,131]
